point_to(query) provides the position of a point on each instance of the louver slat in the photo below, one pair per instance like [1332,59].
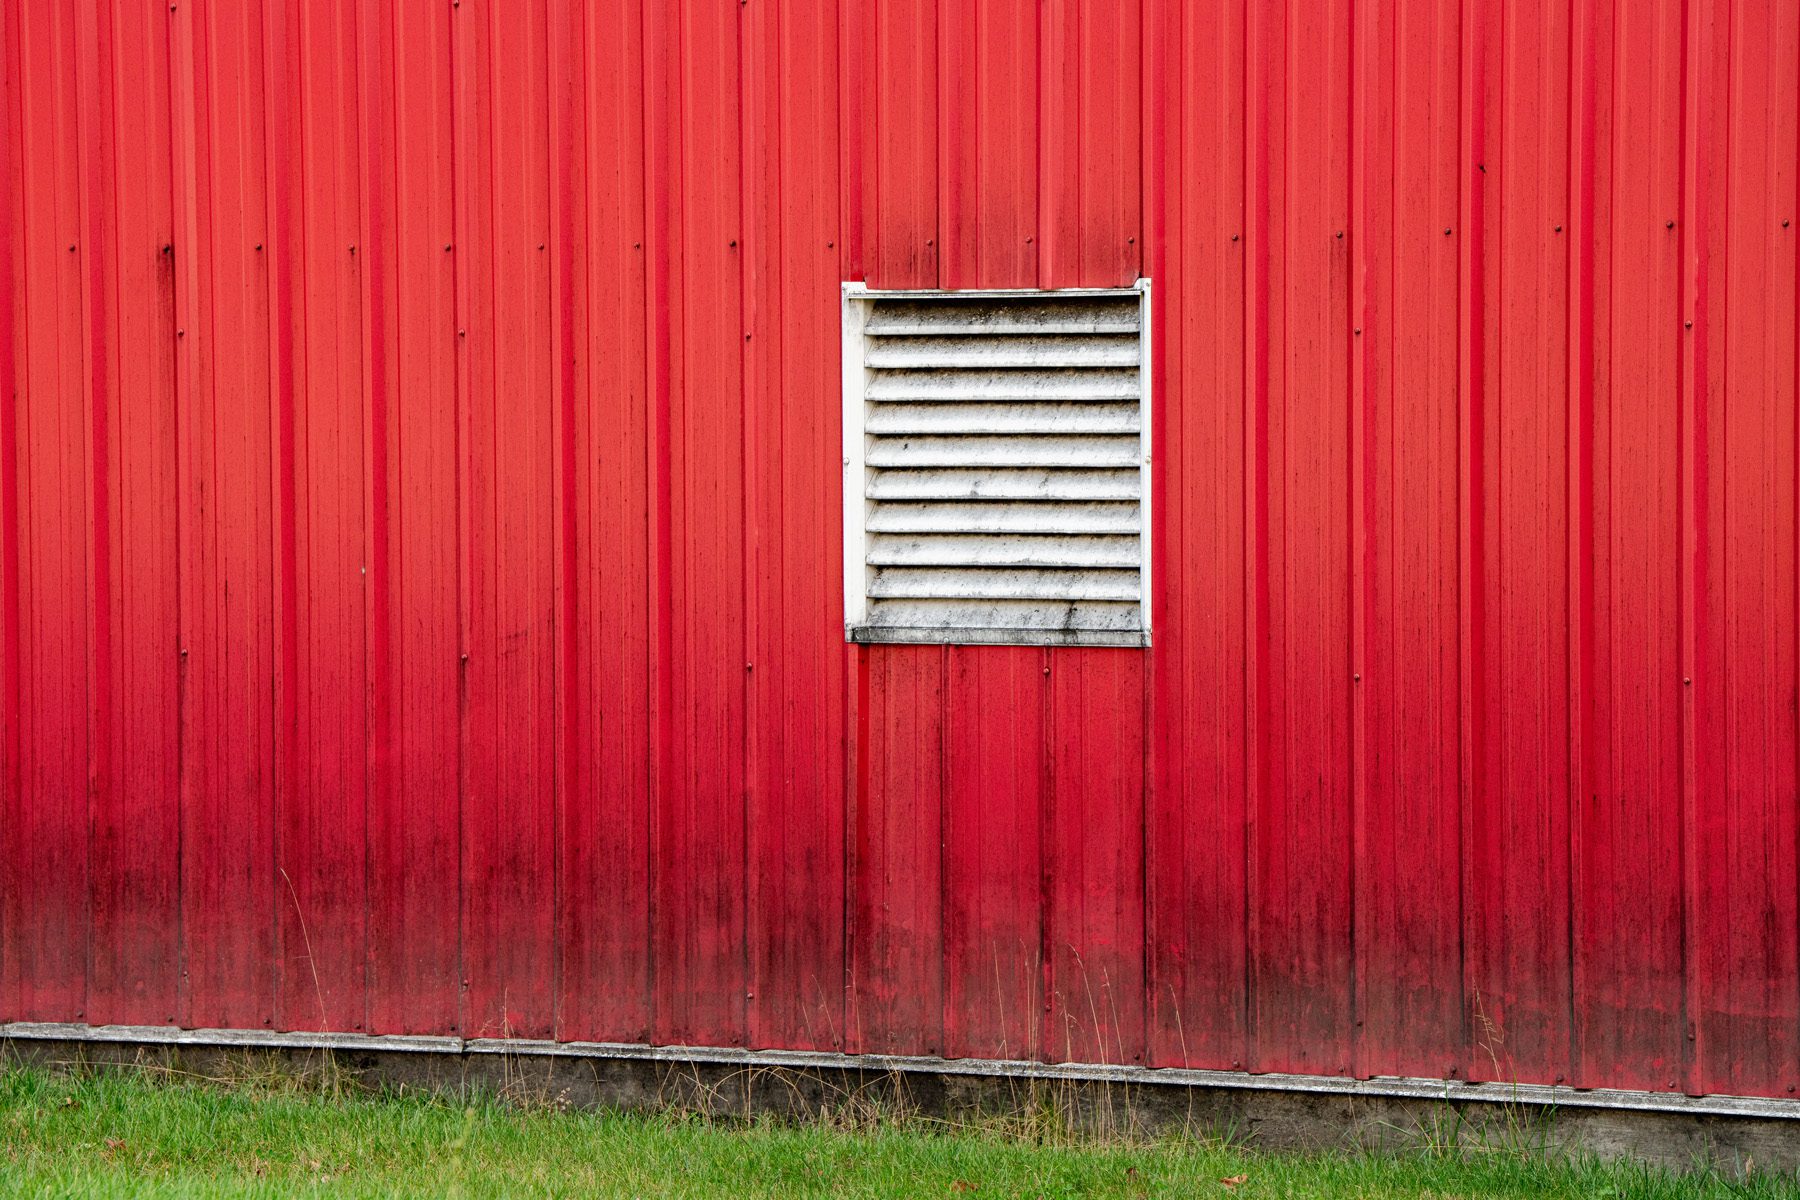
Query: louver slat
[1000,444]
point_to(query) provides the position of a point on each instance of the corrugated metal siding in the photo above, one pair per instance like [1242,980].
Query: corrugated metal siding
[420,531]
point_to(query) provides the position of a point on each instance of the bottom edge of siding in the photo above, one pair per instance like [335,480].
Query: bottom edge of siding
[1452,1091]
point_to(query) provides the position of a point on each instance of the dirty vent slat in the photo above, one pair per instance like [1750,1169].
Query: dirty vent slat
[1003,468]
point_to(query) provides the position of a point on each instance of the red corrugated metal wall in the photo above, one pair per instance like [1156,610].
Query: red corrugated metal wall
[419,535]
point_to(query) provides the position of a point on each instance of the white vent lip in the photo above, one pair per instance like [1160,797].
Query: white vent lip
[978,484]
[894,420]
[996,467]
[952,387]
[985,450]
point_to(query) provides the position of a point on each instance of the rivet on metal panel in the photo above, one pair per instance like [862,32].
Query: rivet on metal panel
[733,244]
[1359,332]
[168,249]
[71,249]
[1357,677]
[181,333]
[1446,233]
[1234,237]
[1340,233]
[1670,225]
[1028,241]
[259,247]
[1689,324]
[353,249]
[1687,682]
[1559,229]
[749,666]
[446,248]
[830,245]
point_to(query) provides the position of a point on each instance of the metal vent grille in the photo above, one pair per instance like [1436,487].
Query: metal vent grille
[996,454]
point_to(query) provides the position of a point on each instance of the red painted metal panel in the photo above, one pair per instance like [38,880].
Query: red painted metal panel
[1627,818]
[1403,443]
[443,634]
[1196,255]
[135,947]
[415,968]
[604,898]
[227,479]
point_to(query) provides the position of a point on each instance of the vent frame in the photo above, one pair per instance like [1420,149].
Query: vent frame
[858,306]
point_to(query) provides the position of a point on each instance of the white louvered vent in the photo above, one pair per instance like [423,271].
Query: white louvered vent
[997,466]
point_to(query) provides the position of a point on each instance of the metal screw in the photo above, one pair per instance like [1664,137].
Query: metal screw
[1234,237]
[734,245]
[353,249]
[1340,233]
[71,249]
[1689,324]
[446,248]
[1359,333]
[1446,233]
[1559,229]
[1357,677]
[259,247]
[1687,682]
[1670,225]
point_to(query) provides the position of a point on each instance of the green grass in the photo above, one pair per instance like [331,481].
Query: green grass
[156,1134]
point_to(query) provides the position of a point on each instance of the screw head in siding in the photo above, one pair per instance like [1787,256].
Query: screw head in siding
[1687,681]
[1669,225]
[1688,324]
[733,244]
[259,247]
[181,333]
[353,249]
[71,249]
[1446,233]
[167,249]
[1357,677]
[830,245]
[1234,237]
[1358,332]
[540,245]
[1340,234]
[1558,229]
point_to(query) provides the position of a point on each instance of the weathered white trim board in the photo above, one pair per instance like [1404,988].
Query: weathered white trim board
[1448,1090]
